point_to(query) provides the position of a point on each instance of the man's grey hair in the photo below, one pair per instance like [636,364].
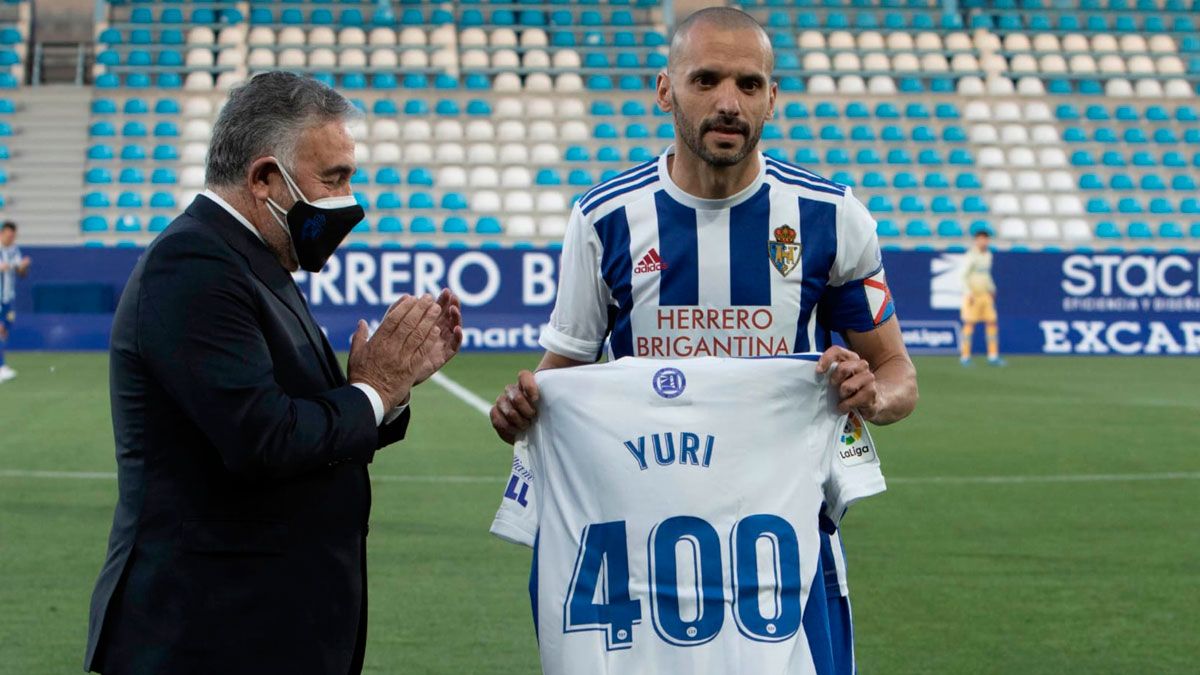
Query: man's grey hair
[726,18]
[265,117]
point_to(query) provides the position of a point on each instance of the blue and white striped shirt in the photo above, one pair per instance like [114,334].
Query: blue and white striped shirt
[771,270]
[11,256]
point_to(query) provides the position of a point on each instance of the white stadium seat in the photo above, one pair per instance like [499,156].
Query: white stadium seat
[552,226]
[506,59]
[414,59]
[534,37]
[411,36]
[352,37]
[970,85]
[535,59]
[261,57]
[259,36]
[1030,181]
[387,152]
[472,37]
[1068,205]
[930,41]
[1060,181]
[566,58]
[1169,65]
[1074,42]
[881,85]
[484,177]
[384,59]
[821,84]
[234,57]
[451,177]
[418,153]
[900,41]
[964,63]
[570,107]
[812,39]
[1120,88]
[416,130]
[198,81]
[325,58]
[506,82]
[292,58]
[1043,228]
[983,134]
[292,35]
[193,153]
[541,82]
[990,157]
[484,201]
[481,153]
[508,107]
[870,40]
[934,63]
[515,177]
[1005,204]
[1013,228]
[192,176]
[450,153]
[452,130]
[1023,63]
[1162,44]
[1111,64]
[382,37]
[564,82]
[519,226]
[201,35]
[1017,42]
[997,181]
[513,153]
[474,59]
[840,39]
[236,35]
[1049,158]
[1031,86]
[199,58]
[574,131]
[503,37]
[1014,133]
[816,61]
[384,129]
[1076,229]
[1132,43]
[551,202]
[1046,42]
[1147,89]
[518,201]
[876,61]
[1082,64]
[322,36]
[1104,42]
[1045,134]
[1007,111]
[977,110]
[984,41]
[508,130]
[1035,205]
[1019,157]
[1053,64]
[1177,88]
[541,130]
[905,62]
[851,85]
[198,106]
[1038,111]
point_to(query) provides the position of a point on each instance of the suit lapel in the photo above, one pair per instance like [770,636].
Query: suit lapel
[268,270]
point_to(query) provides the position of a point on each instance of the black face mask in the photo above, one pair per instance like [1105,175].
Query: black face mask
[317,228]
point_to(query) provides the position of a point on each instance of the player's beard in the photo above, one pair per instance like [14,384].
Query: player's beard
[692,135]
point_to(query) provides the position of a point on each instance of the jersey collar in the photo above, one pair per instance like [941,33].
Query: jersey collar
[694,202]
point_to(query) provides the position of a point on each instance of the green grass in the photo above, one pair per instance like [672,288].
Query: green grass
[948,577]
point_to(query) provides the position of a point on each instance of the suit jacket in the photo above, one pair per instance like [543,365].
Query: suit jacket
[238,542]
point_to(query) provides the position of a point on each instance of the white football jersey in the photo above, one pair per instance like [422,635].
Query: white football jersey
[674,510]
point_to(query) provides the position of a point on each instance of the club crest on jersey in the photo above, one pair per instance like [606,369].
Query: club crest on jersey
[669,382]
[784,251]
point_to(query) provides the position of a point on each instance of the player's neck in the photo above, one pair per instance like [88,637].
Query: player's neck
[701,179]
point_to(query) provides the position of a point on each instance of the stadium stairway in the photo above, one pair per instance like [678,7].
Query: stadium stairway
[49,128]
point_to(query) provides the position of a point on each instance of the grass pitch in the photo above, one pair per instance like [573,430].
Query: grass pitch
[1041,518]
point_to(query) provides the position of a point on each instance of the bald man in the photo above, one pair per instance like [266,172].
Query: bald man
[715,249]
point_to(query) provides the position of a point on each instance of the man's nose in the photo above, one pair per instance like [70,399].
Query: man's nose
[728,103]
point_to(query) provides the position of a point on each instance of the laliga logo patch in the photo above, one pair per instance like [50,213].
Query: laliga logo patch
[784,251]
[669,382]
[854,445]
[312,227]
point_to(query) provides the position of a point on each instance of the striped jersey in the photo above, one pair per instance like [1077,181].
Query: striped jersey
[675,514]
[11,256]
[771,270]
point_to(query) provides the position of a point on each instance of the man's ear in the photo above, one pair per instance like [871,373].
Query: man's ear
[662,86]
[258,177]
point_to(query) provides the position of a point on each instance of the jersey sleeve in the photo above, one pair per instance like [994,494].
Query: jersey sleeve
[579,322]
[857,297]
[516,519]
[853,467]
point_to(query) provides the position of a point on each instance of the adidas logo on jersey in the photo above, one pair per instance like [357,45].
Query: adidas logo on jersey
[651,262]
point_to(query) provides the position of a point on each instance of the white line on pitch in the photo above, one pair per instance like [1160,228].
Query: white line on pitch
[462,393]
[899,480]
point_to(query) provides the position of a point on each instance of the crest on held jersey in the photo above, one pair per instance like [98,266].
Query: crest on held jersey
[784,251]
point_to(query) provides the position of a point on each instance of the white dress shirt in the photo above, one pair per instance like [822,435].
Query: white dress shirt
[381,416]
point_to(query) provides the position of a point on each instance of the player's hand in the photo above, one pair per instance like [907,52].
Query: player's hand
[854,381]
[516,408]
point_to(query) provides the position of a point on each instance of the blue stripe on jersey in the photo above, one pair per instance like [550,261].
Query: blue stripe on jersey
[623,178]
[617,269]
[818,239]
[815,620]
[800,182]
[533,585]
[801,172]
[604,199]
[679,283]
[749,264]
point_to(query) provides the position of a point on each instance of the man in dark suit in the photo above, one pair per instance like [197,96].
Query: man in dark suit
[239,539]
